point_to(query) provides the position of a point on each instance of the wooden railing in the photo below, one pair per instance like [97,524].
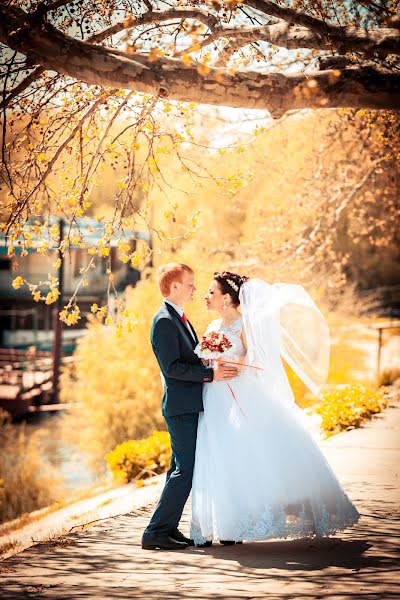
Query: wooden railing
[26,380]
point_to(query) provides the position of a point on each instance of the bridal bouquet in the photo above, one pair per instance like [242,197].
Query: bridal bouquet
[213,345]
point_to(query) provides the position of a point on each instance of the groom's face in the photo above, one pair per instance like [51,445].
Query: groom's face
[186,288]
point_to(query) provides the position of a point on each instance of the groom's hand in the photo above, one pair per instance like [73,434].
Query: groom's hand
[224,372]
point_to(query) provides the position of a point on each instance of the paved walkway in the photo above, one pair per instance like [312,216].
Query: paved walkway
[106,562]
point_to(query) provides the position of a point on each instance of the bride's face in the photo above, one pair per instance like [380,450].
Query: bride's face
[214,297]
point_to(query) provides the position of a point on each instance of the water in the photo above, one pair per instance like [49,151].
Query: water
[55,450]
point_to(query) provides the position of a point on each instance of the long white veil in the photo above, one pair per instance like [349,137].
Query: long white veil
[281,319]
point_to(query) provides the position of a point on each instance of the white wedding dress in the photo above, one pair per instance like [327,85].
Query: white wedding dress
[258,472]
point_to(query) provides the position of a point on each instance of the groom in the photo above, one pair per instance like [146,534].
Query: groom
[173,340]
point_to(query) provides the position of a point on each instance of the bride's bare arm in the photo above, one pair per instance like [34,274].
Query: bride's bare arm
[244,341]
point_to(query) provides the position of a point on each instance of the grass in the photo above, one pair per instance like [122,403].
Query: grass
[10,546]
[35,516]
[26,483]
[388,376]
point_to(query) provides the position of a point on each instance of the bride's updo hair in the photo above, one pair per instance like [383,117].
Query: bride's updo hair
[230,283]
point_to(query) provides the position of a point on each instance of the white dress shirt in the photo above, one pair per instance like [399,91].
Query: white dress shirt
[180,312]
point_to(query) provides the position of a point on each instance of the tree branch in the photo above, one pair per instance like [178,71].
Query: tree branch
[290,15]
[321,35]
[25,83]
[210,20]
[4,125]
[157,16]
[360,87]
[47,7]
[23,202]
[278,34]
[382,41]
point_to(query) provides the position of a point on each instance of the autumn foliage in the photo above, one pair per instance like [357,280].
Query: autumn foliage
[136,460]
[349,407]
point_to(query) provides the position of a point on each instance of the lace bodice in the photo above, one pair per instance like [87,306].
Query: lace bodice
[233,333]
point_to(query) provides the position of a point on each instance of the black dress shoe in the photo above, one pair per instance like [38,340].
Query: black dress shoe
[179,537]
[162,541]
[227,542]
[205,545]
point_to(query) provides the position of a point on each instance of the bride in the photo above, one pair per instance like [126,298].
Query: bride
[258,473]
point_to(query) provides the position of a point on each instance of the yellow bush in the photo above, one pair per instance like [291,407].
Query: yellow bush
[348,407]
[115,390]
[139,459]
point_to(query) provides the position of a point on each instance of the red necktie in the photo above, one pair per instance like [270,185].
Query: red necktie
[184,319]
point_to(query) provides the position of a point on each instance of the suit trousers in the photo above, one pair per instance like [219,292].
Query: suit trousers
[183,433]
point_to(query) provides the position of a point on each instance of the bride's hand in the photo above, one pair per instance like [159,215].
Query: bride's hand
[241,359]
[206,362]
[237,360]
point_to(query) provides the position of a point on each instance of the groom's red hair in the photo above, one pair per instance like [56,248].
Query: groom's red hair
[169,273]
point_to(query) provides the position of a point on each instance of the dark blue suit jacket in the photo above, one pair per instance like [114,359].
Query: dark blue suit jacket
[183,371]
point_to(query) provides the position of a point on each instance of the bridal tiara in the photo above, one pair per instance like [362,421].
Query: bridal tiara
[232,284]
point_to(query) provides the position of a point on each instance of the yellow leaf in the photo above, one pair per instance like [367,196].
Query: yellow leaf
[50,298]
[18,281]
[187,60]
[135,261]
[155,53]
[203,69]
